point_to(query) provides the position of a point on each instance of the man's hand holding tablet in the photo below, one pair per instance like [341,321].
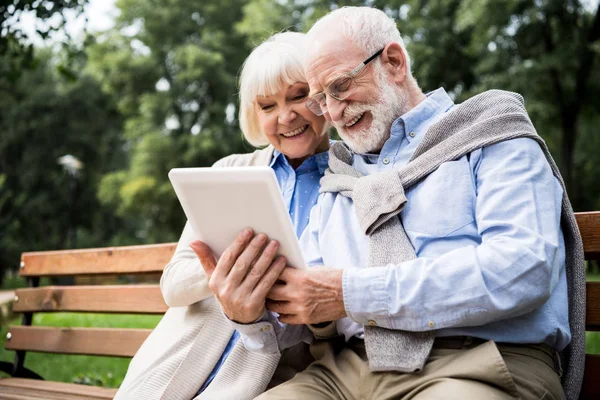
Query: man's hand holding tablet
[249,273]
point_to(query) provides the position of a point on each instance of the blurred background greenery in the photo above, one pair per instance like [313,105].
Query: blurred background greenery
[157,90]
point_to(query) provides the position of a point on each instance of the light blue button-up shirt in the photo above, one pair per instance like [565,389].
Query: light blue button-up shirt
[300,190]
[486,230]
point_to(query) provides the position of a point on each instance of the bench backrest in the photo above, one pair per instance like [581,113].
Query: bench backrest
[130,299]
[147,299]
[589,226]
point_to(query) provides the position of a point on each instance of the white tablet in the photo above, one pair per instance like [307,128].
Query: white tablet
[220,202]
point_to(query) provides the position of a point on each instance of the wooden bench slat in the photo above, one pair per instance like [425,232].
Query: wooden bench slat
[104,261]
[591,383]
[589,227]
[19,388]
[153,258]
[140,299]
[84,341]
[592,313]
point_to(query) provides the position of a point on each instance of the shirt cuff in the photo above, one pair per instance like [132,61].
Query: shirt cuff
[366,297]
[258,336]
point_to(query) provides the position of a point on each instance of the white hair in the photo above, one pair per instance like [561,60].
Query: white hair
[369,28]
[277,62]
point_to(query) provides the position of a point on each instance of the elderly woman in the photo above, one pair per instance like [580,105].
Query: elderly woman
[194,352]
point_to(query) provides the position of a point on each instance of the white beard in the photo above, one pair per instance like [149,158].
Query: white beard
[392,103]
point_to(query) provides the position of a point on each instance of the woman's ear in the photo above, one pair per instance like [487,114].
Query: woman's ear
[394,61]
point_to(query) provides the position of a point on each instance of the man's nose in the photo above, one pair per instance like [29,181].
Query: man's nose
[335,108]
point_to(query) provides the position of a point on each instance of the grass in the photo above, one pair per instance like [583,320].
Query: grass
[593,277]
[101,371]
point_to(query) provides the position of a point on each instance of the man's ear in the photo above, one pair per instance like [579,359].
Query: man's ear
[394,61]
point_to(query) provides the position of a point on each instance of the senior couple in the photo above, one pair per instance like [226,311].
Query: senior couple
[444,260]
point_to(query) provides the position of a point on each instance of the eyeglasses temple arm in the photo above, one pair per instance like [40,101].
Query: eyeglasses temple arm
[368,60]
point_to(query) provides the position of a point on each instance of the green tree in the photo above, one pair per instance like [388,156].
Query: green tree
[45,116]
[172,71]
[15,47]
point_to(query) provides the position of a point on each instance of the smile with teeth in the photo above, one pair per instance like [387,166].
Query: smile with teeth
[296,132]
[354,120]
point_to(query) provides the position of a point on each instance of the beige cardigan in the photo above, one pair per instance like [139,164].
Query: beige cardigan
[183,349]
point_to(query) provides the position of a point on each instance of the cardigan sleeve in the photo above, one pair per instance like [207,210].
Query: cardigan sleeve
[183,281]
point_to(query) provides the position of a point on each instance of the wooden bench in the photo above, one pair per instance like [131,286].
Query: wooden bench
[25,383]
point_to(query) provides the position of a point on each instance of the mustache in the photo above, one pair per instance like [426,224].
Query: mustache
[354,110]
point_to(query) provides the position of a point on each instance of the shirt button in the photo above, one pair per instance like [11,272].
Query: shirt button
[386,161]
[371,323]
[265,328]
[431,324]
[412,134]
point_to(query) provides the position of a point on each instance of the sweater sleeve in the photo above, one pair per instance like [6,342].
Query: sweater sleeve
[183,281]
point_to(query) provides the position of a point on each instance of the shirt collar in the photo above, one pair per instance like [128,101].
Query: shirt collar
[419,119]
[276,155]
[416,121]
[320,159]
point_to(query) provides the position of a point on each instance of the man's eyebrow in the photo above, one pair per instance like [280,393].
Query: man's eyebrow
[329,82]
[337,76]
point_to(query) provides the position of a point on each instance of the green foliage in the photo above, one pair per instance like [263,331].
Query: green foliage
[17,53]
[44,116]
[263,18]
[178,94]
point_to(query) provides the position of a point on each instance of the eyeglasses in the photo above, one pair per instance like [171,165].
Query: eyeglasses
[340,89]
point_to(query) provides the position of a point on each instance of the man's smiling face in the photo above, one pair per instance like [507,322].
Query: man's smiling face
[363,119]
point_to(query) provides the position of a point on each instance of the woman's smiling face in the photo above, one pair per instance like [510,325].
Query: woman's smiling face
[289,126]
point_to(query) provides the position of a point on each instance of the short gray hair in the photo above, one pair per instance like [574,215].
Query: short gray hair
[277,62]
[369,28]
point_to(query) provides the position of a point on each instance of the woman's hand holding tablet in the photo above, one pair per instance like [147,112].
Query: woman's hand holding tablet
[243,275]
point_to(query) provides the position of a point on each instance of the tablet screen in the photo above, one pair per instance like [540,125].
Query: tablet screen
[220,202]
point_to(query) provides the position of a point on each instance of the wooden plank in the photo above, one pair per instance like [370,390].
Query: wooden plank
[153,258]
[592,312]
[19,388]
[9,394]
[589,226]
[591,383]
[136,299]
[87,341]
[108,260]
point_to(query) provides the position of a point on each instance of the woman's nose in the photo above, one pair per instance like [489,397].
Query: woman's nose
[287,115]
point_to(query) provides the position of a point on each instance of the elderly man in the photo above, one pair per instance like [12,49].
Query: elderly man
[439,229]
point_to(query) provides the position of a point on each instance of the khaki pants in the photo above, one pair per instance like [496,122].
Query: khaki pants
[478,372]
